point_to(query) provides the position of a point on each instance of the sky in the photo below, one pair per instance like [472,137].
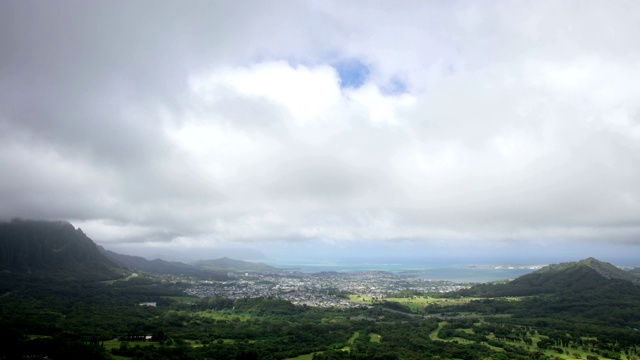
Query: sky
[326,129]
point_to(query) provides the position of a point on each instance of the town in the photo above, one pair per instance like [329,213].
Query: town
[323,289]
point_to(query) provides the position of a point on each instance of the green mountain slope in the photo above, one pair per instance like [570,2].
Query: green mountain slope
[566,296]
[226,264]
[605,269]
[52,249]
[159,266]
[589,276]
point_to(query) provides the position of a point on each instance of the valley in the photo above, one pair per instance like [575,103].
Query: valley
[54,310]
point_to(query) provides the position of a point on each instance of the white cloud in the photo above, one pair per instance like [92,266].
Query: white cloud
[507,122]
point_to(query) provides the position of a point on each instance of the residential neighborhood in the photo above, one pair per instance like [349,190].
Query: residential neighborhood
[324,289]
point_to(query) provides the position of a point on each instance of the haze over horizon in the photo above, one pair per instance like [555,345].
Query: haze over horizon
[323,129]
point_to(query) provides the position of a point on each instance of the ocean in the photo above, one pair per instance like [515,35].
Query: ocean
[477,273]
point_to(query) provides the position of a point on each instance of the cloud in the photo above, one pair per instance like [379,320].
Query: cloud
[323,123]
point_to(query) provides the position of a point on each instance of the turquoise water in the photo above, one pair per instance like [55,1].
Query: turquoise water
[450,272]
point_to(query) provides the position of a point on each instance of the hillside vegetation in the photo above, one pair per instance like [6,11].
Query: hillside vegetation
[49,309]
[588,277]
[52,249]
[226,264]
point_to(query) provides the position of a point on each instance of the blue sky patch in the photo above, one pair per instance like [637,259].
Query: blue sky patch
[353,73]
[395,86]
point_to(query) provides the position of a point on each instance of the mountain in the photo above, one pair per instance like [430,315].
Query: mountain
[605,269]
[52,249]
[226,264]
[159,266]
[589,276]
[216,268]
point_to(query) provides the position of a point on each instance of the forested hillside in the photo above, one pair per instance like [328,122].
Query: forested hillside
[589,277]
[52,249]
[226,264]
[159,266]
[572,293]
[55,304]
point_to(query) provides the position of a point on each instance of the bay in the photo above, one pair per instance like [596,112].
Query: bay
[465,273]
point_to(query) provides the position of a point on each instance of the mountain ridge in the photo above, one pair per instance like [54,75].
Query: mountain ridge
[605,269]
[156,266]
[588,276]
[52,249]
[232,265]
[58,249]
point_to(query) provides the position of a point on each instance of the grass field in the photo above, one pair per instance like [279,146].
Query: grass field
[375,338]
[569,353]
[434,334]
[353,337]
[303,357]
[310,356]
[418,303]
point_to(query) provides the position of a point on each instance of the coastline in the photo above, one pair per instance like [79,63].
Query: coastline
[466,273]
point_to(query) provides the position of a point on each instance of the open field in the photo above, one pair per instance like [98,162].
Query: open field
[374,338]
[418,303]
[353,338]
[567,352]
[310,356]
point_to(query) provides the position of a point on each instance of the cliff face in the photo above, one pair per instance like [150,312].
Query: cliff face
[51,248]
